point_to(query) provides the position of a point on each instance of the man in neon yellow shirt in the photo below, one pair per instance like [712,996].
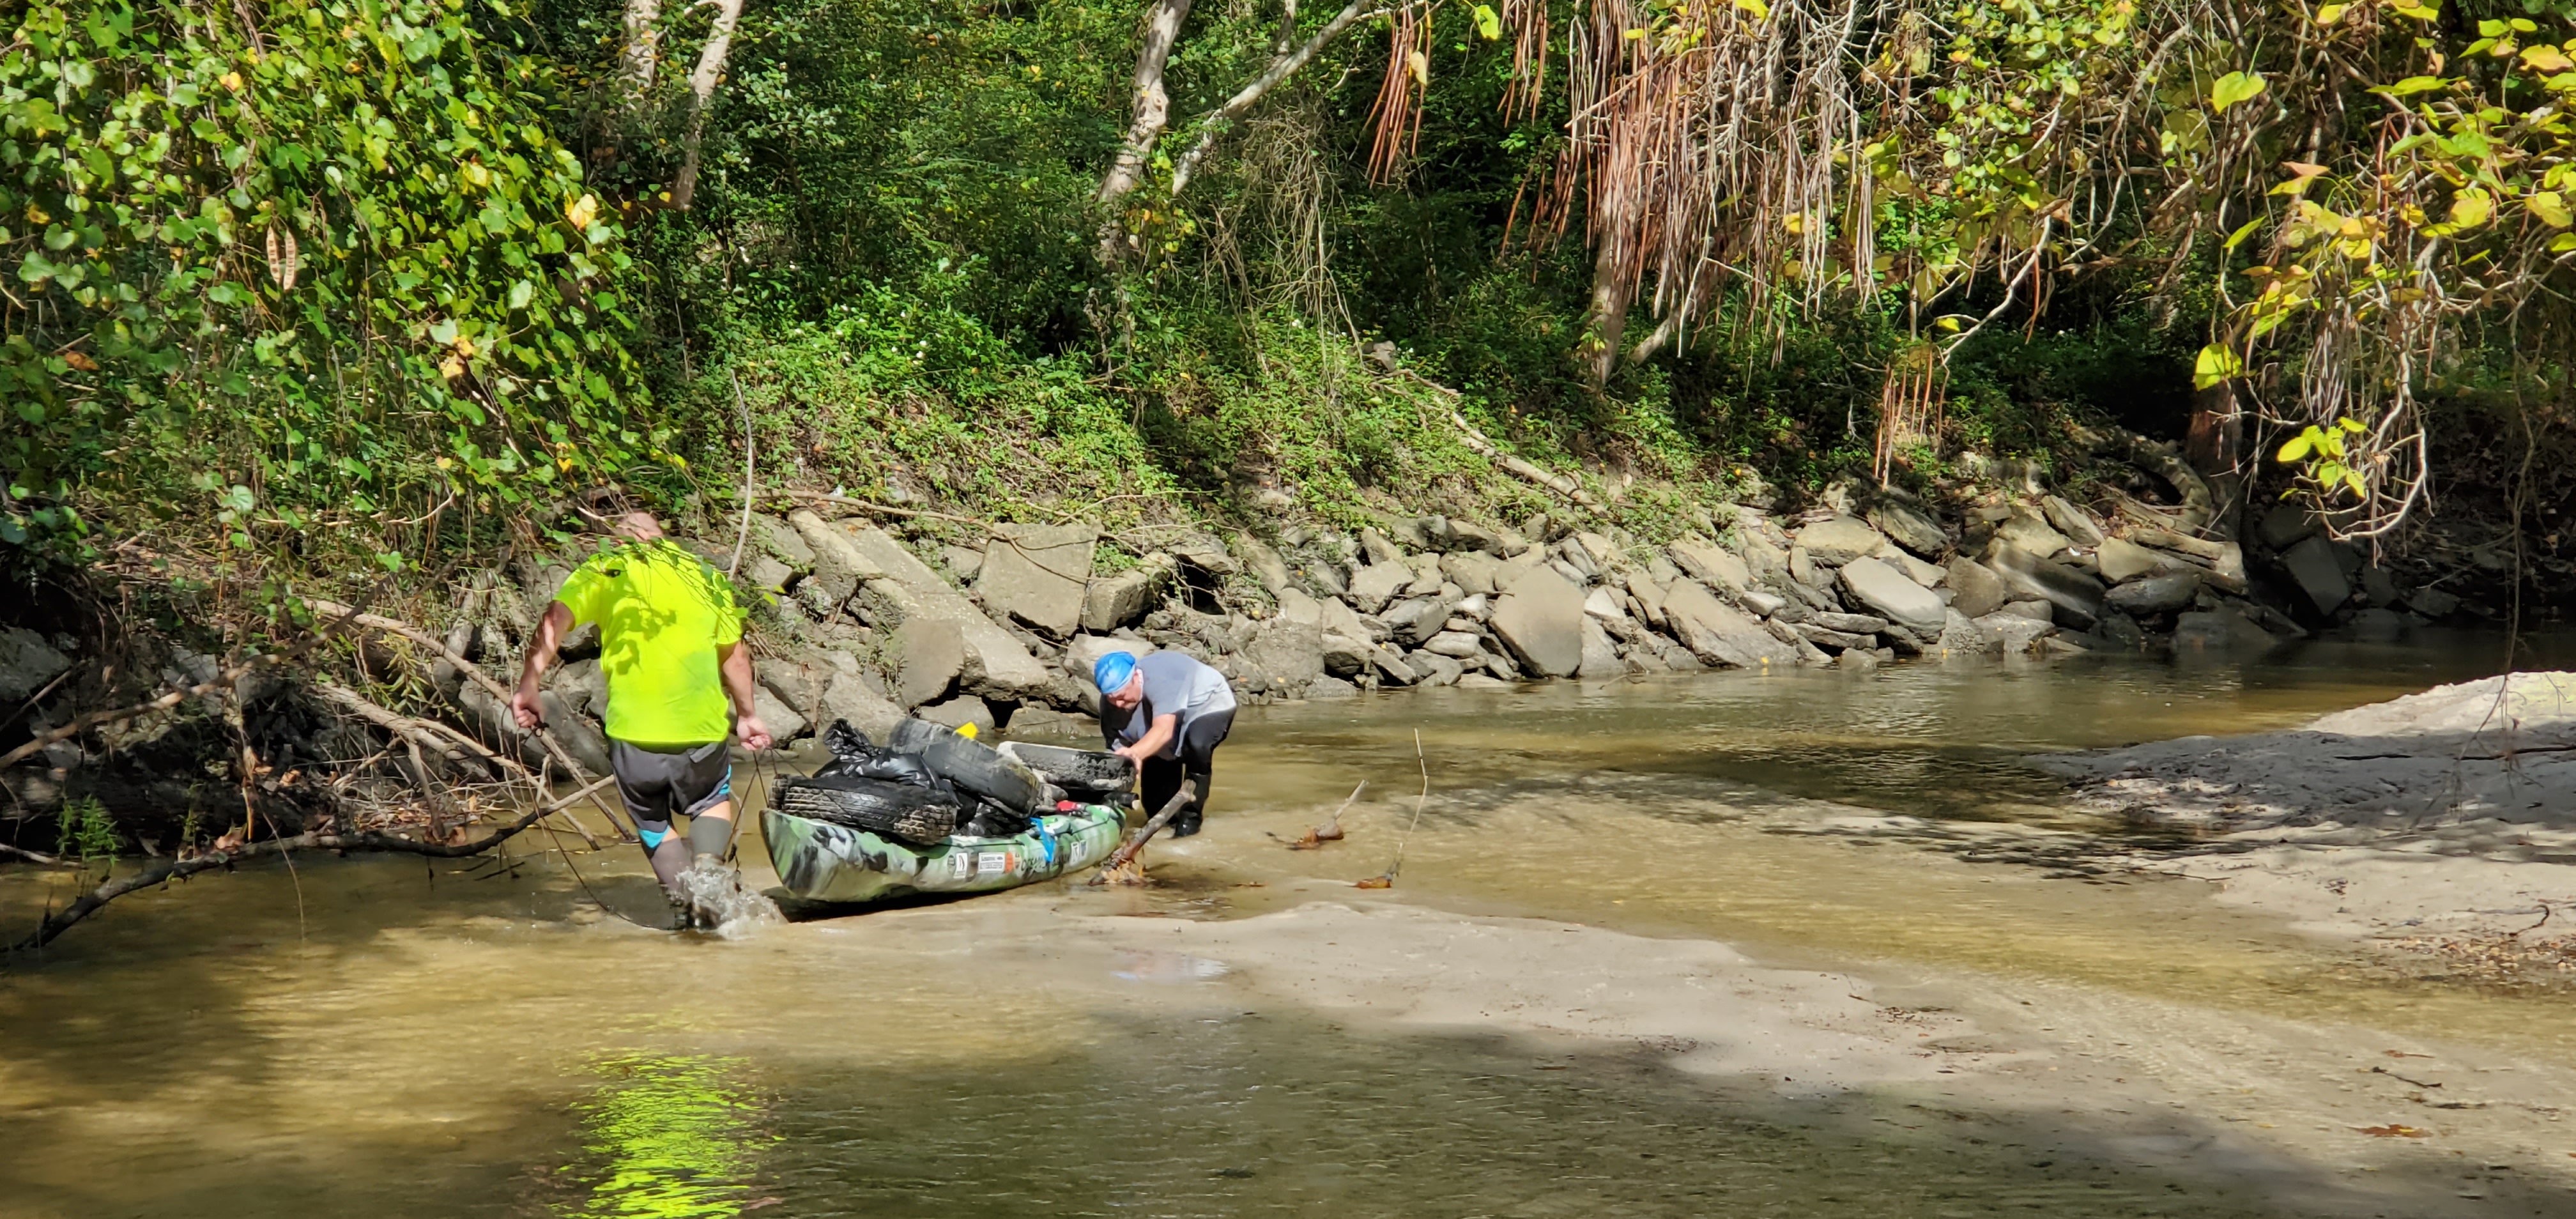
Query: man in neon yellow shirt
[679,684]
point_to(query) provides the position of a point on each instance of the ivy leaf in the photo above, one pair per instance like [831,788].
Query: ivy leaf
[2331,13]
[2236,87]
[2238,237]
[2411,86]
[2542,57]
[2297,449]
[2217,363]
[2552,209]
[1487,23]
[2471,208]
[1759,10]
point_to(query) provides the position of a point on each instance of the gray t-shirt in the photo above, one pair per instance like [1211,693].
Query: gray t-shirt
[1176,685]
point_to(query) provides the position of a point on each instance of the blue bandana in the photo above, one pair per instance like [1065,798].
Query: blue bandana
[1112,671]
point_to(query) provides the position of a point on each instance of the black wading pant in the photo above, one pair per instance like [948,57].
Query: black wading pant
[1163,775]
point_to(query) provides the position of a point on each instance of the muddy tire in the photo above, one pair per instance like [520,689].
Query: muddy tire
[1088,770]
[972,765]
[910,814]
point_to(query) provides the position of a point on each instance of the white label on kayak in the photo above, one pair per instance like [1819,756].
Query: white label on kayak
[961,864]
[993,861]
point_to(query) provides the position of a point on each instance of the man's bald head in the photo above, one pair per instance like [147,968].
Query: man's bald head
[637,525]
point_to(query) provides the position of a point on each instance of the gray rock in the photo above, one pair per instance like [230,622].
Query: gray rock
[1763,603]
[1839,539]
[1719,634]
[838,561]
[2432,603]
[2014,633]
[779,540]
[797,683]
[2284,524]
[785,723]
[1203,552]
[996,665]
[1828,637]
[2219,630]
[1291,653]
[1344,655]
[1327,578]
[1376,584]
[2075,592]
[1882,588]
[1605,555]
[1456,644]
[1264,561]
[2072,520]
[1975,590]
[1856,624]
[2377,624]
[1114,601]
[1392,668]
[1467,537]
[1910,527]
[1296,606]
[927,656]
[1411,622]
[2119,630]
[1331,687]
[1605,603]
[583,686]
[851,700]
[1600,653]
[1415,531]
[960,711]
[1962,635]
[27,663]
[2378,585]
[1710,564]
[2121,560]
[2031,532]
[1426,575]
[1478,681]
[1436,669]
[1378,549]
[2034,609]
[1576,563]
[2153,594]
[1929,575]
[962,563]
[764,574]
[2314,565]
[1540,618]
[1472,570]
[1036,575]
[1859,658]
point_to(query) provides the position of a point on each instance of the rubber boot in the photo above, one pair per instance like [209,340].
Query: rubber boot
[670,855]
[1186,822]
[710,835]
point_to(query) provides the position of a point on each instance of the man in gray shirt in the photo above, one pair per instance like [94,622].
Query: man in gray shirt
[1167,714]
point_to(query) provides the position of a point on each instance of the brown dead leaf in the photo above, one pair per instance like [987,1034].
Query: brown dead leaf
[2393,1131]
[1376,882]
[80,360]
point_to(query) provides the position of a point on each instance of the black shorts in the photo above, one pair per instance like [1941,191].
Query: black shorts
[660,783]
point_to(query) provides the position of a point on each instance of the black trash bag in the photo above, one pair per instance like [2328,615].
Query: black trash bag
[992,819]
[905,768]
[850,750]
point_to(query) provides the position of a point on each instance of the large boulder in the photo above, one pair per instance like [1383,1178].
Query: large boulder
[1378,549]
[1411,622]
[1894,595]
[2075,592]
[1469,537]
[1540,619]
[996,666]
[785,723]
[781,541]
[2154,594]
[1959,633]
[2072,520]
[2219,630]
[2121,560]
[1720,634]
[1263,560]
[27,664]
[2015,633]
[960,711]
[1600,653]
[1711,564]
[847,697]
[839,564]
[1036,575]
[1473,570]
[2313,564]
[1115,601]
[2031,532]
[1376,584]
[1975,589]
[1910,527]
[1291,654]
[1345,655]
[928,655]
[1839,539]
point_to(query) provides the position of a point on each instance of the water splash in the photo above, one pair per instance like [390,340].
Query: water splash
[721,903]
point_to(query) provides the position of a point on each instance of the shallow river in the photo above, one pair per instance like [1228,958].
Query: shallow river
[384,1038]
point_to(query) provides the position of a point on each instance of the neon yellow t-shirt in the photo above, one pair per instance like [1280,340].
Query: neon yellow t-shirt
[662,613]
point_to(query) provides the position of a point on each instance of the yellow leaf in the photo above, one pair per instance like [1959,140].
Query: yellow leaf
[1420,65]
[450,368]
[2216,364]
[2470,208]
[232,81]
[2546,58]
[2552,209]
[1759,10]
[582,211]
[2331,13]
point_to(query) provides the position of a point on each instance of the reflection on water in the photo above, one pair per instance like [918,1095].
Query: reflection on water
[668,1137]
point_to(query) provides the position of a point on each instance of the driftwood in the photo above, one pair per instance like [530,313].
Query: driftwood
[452,744]
[1126,852]
[179,869]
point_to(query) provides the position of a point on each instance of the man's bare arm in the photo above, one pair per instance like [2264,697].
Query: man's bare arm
[1158,735]
[734,661]
[525,707]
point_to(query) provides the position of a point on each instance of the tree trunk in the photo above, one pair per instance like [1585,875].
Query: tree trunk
[702,91]
[2214,447]
[643,45]
[1609,319]
[1153,112]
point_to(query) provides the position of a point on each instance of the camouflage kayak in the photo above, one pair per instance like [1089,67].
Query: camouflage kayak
[821,861]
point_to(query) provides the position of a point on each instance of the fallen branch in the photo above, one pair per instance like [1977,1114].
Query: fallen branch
[1386,879]
[451,743]
[1492,452]
[180,869]
[1126,852]
[31,856]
